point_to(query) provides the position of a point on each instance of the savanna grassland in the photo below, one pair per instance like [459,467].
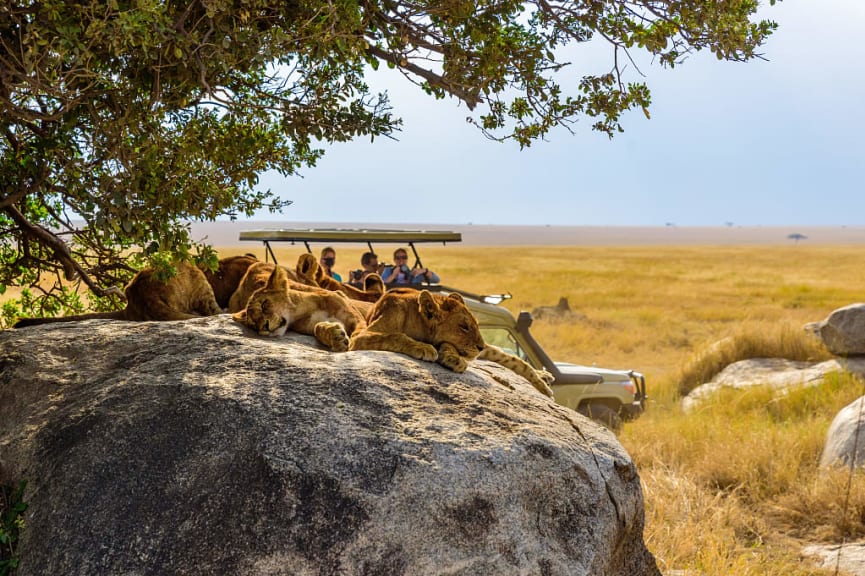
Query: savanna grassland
[732,489]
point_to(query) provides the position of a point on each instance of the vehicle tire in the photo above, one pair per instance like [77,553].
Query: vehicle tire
[602,414]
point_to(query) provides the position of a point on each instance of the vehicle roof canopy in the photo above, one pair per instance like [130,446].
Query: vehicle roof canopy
[350,235]
[355,235]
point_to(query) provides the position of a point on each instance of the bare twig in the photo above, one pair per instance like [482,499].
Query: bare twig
[61,251]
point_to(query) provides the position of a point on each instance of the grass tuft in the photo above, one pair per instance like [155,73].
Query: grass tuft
[751,340]
[735,488]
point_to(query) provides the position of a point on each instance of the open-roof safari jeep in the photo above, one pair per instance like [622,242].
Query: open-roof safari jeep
[605,395]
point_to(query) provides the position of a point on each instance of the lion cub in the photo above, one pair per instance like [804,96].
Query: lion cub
[422,325]
[183,296]
[304,277]
[281,305]
[434,327]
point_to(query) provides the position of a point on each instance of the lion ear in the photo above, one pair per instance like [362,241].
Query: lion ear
[307,266]
[452,301]
[429,309]
[278,279]
[373,283]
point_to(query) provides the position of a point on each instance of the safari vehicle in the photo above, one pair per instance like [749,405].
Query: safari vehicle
[607,396]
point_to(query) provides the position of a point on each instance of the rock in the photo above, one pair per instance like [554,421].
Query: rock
[843,331]
[845,440]
[849,557]
[197,448]
[776,373]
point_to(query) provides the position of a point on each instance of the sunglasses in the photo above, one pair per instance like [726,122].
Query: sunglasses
[400,257]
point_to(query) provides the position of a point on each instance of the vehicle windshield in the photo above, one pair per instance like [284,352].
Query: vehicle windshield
[502,338]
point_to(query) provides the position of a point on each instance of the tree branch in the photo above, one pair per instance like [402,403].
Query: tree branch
[71,268]
[434,79]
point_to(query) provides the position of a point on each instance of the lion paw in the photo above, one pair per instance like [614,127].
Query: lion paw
[450,358]
[454,362]
[425,352]
[546,390]
[545,376]
[332,335]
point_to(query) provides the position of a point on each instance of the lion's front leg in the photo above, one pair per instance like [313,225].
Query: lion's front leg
[450,358]
[351,318]
[332,335]
[397,342]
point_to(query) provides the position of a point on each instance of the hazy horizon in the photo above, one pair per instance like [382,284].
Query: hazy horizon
[226,233]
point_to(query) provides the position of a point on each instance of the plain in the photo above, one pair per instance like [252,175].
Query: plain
[733,488]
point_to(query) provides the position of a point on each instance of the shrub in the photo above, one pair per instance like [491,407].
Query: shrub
[12,507]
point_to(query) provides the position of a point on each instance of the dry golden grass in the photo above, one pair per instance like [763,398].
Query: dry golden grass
[649,308]
[779,339]
[740,477]
[732,488]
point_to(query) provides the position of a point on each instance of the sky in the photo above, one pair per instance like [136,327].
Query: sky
[764,143]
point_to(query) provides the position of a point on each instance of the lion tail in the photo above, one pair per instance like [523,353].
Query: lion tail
[24,322]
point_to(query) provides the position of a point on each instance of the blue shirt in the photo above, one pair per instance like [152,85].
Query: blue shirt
[404,276]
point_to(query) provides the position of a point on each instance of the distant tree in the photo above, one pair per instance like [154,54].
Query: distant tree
[122,120]
[795,237]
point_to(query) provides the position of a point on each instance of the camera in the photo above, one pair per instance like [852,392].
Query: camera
[329,261]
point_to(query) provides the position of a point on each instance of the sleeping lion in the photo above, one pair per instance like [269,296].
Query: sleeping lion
[435,327]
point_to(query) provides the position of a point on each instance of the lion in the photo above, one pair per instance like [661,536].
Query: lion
[193,292]
[183,296]
[227,276]
[282,304]
[434,327]
[303,277]
[373,286]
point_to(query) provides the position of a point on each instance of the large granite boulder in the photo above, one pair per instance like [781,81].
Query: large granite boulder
[845,440]
[843,331]
[197,448]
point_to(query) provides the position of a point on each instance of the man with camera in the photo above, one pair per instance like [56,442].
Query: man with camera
[400,273]
[369,265]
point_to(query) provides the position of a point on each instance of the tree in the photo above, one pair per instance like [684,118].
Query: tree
[123,119]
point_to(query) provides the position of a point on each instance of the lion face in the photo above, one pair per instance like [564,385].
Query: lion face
[458,327]
[264,314]
[267,311]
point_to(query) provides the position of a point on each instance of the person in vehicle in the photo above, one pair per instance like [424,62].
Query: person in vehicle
[328,259]
[369,265]
[400,273]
